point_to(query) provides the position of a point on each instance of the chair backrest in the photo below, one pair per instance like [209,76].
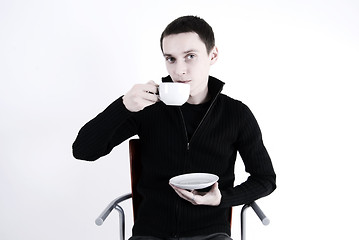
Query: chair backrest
[135,167]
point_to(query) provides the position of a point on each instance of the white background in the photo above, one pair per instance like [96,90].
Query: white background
[294,63]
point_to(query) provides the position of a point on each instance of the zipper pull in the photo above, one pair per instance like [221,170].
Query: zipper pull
[187,146]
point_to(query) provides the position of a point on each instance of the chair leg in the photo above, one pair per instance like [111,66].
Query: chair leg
[243,221]
[122,221]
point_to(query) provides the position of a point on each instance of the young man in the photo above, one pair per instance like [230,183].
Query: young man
[203,135]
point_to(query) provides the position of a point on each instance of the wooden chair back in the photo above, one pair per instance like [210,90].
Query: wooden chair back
[135,167]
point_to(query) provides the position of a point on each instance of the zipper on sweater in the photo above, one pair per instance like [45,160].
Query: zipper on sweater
[178,206]
[200,123]
[185,128]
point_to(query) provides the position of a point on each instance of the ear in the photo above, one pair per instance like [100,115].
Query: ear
[214,55]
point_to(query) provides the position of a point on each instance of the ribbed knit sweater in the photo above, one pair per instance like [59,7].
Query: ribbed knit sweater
[228,127]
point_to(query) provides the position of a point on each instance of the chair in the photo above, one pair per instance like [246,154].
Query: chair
[135,167]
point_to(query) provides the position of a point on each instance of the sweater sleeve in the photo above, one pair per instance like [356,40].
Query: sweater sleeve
[262,179]
[108,129]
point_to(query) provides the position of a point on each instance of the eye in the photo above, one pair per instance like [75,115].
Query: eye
[190,56]
[170,59]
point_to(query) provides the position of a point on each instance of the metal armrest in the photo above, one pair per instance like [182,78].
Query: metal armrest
[260,214]
[114,204]
[265,221]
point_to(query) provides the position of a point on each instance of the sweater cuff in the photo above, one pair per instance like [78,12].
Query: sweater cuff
[225,202]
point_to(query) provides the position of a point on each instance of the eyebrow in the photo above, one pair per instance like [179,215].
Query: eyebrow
[185,52]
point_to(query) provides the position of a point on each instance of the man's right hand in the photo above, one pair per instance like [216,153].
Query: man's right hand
[141,96]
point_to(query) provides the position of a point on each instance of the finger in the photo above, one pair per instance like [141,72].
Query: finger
[151,82]
[191,197]
[151,87]
[214,189]
[142,103]
[180,194]
[185,194]
[148,102]
[150,97]
[147,91]
[181,191]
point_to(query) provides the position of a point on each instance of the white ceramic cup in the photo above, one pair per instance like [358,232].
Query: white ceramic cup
[175,94]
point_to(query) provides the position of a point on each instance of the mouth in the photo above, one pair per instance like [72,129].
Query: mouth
[183,81]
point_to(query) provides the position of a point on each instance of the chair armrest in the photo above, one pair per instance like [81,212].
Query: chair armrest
[99,221]
[260,213]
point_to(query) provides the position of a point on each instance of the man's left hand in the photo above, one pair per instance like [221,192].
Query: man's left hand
[211,198]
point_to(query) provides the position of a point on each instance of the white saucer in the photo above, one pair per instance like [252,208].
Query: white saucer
[192,181]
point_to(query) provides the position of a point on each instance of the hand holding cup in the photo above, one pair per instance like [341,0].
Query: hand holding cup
[144,95]
[141,96]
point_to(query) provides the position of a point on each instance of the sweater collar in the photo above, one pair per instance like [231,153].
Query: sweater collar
[215,85]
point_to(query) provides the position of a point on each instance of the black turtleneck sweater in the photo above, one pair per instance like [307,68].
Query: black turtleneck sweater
[178,140]
[193,114]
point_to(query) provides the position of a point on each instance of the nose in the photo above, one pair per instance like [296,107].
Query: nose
[181,68]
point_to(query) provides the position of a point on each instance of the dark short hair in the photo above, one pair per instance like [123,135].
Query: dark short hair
[191,24]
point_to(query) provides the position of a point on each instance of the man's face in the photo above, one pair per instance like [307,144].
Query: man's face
[187,60]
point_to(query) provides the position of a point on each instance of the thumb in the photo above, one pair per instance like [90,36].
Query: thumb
[152,83]
[215,186]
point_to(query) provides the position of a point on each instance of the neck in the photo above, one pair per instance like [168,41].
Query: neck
[199,98]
